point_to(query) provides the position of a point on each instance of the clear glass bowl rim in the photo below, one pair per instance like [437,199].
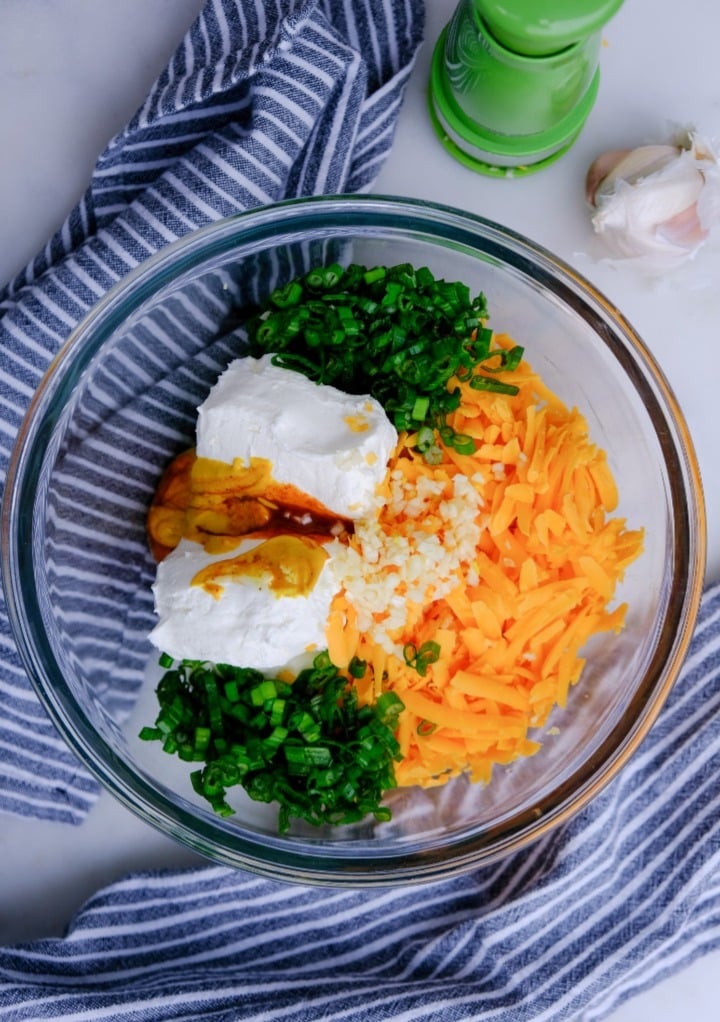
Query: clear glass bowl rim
[285,221]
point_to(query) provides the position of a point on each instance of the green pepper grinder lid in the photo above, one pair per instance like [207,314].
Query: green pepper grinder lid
[513,81]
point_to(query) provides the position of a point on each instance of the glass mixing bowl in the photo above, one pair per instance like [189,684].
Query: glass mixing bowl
[119,401]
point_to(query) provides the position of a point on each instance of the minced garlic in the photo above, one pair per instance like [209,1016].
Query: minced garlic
[385,570]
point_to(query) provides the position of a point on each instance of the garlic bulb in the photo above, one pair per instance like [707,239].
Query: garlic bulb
[655,204]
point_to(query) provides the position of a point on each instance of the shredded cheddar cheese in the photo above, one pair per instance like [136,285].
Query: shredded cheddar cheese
[507,558]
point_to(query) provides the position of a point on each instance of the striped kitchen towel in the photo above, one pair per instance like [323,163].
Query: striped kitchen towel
[568,929]
[261,101]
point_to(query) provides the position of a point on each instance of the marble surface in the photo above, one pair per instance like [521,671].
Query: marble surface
[72,72]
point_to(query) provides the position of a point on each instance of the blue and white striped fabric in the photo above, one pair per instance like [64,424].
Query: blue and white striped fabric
[261,101]
[622,896]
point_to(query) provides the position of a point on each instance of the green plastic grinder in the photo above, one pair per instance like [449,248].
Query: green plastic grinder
[513,81]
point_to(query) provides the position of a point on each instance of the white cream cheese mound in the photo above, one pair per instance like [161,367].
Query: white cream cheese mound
[331,445]
[247,625]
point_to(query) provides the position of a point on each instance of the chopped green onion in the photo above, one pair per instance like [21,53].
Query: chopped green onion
[425,439]
[308,755]
[308,746]
[288,295]
[202,738]
[276,737]
[261,693]
[420,659]
[231,691]
[357,667]
[433,455]
[496,386]
[388,707]
[277,711]
[420,408]
[463,444]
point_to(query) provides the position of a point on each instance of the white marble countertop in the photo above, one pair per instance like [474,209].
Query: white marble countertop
[72,72]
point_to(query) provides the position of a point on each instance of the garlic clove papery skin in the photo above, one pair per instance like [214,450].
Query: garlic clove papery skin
[708,204]
[655,204]
[636,218]
[629,165]
[602,170]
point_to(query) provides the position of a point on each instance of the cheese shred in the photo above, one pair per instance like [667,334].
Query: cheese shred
[507,558]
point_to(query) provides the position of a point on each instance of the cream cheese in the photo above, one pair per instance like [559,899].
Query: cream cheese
[248,625]
[331,445]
